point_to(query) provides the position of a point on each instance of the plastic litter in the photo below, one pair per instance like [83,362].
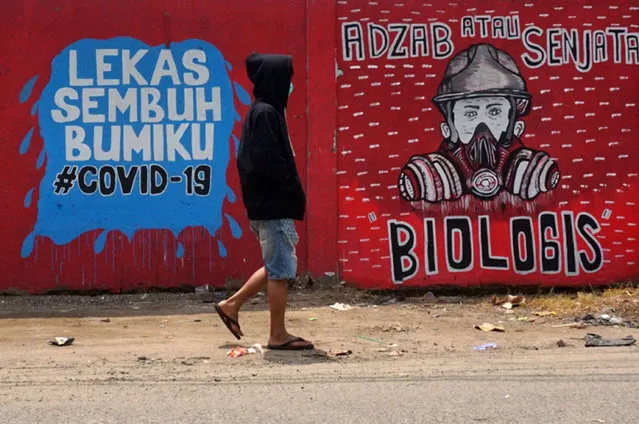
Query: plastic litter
[370,339]
[344,353]
[238,351]
[606,319]
[202,289]
[486,346]
[256,348]
[62,341]
[490,327]
[341,307]
[509,301]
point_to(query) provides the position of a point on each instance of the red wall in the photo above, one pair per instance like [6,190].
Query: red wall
[34,33]
[362,119]
[463,217]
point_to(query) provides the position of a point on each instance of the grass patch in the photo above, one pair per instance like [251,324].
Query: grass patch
[619,299]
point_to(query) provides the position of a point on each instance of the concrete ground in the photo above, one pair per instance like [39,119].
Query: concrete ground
[410,362]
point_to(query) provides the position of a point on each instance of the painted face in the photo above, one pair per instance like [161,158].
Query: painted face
[468,114]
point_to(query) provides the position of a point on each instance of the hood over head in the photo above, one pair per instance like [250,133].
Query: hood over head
[271,75]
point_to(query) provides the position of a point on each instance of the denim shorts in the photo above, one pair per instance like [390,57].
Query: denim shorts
[278,239]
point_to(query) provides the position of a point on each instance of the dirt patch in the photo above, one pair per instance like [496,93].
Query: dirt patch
[169,337]
[163,346]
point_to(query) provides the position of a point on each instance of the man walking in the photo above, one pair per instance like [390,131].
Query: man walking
[272,194]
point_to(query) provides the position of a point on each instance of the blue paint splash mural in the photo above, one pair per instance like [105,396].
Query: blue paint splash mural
[40,161]
[27,89]
[242,95]
[26,142]
[136,137]
[28,197]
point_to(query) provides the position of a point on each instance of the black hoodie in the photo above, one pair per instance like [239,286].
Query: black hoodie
[271,187]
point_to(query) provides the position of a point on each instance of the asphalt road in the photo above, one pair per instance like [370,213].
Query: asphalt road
[597,387]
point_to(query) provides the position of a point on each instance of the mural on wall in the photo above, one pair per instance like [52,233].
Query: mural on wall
[137,142]
[135,137]
[482,98]
[483,143]
[121,140]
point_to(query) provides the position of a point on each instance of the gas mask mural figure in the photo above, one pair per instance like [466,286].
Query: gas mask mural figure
[482,96]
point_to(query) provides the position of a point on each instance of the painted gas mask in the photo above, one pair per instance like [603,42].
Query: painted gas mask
[480,126]
[482,155]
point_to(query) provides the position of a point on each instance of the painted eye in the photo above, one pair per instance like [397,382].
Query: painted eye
[494,111]
[470,114]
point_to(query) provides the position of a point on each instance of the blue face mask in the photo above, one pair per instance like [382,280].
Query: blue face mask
[290,90]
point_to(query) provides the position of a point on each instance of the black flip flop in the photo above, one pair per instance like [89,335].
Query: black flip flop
[288,345]
[229,322]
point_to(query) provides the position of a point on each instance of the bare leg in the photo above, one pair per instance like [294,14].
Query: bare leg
[253,285]
[277,297]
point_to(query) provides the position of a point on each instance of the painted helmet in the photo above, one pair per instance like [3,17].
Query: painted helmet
[483,70]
